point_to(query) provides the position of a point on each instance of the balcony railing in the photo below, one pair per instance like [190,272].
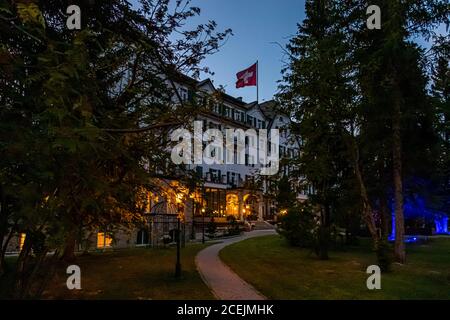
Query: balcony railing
[223,179]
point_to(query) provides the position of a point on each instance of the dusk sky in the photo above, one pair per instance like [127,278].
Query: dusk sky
[258,25]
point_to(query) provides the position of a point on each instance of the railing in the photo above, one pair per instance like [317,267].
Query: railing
[223,180]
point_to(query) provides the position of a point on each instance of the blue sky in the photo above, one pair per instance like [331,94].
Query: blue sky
[256,25]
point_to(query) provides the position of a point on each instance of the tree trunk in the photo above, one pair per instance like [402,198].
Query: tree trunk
[22,266]
[380,244]
[399,246]
[324,233]
[4,246]
[69,249]
[4,239]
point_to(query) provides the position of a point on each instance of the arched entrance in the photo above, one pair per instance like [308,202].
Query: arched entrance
[233,205]
[251,207]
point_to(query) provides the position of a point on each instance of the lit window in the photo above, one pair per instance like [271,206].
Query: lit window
[103,240]
[22,237]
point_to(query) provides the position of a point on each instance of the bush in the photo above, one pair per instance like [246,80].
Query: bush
[211,228]
[298,226]
[382,251]
[233,226]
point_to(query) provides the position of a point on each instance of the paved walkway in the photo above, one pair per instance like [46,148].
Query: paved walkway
[223,282]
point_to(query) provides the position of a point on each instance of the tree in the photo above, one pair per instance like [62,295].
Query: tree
[360,104]
[317,93]
[393,88]
[87,111]
[285,197]
[299,227]
[441,100]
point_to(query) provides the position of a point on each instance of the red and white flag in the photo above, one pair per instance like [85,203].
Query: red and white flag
[247,77]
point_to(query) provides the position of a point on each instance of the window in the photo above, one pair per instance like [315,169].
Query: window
[142,237]
[231,178]
[199,171]
[215,175]
[224,110]
[183,92]
[104,240]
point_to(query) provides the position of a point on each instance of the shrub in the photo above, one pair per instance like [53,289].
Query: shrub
[211,228]
[298,226]
[233,226]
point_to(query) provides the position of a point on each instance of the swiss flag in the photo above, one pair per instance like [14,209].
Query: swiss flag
[247,77]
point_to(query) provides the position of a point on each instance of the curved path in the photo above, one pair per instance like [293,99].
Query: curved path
[223,282]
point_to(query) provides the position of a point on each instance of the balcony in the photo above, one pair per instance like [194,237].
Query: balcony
[223,180]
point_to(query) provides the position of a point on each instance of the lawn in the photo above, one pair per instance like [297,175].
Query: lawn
[140,273]
[283,272]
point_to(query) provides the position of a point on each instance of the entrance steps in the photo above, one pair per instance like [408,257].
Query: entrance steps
[262,225]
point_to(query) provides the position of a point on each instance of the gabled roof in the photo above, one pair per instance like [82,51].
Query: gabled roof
[206,82]
[271,109]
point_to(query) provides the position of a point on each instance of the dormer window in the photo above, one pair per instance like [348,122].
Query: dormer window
[183,92]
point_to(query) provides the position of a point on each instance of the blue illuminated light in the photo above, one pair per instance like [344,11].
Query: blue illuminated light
[441,224]
[416,207]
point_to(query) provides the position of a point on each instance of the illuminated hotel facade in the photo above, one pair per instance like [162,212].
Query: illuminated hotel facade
[222,191]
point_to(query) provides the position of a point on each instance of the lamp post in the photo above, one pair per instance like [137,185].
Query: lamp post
[178,263]
[179,216]
[203,225]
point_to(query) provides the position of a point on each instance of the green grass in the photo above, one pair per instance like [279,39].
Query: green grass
[140,273]
[280,271]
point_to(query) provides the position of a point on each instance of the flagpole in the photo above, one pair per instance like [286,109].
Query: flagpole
[257,82]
